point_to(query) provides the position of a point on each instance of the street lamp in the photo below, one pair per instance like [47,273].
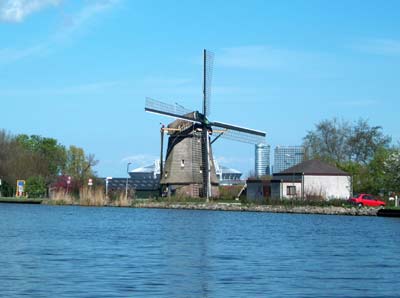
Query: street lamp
[127,180]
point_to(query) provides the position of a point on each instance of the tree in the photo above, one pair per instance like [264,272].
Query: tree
[35,187]
[329,141]
[23,156]
[48,157]
[11,159]
[365,140]
[340,142]
[79,165]
[392,170]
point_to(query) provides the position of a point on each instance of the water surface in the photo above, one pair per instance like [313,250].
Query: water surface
[63,251]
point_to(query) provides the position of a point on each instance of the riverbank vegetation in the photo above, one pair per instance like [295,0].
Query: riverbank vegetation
[43,163]
[360,149]
[89,196]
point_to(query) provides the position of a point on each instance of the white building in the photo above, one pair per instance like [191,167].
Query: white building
[311,179]
[227,176]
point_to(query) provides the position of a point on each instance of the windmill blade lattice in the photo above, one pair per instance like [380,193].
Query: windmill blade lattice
[208,74]
[238,133]
[171,110]
[234,135]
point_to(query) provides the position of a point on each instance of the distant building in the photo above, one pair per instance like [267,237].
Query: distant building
[227,176]
[146,180]
[311,179]
[262,160]
[258,189]
[287,156]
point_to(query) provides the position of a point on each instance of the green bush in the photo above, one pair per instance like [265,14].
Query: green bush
[6,189]
[35,187]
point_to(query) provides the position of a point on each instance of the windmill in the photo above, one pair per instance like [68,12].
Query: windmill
[189,165]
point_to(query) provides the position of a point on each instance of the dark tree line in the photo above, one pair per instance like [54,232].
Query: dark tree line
[41,161]
[360,149]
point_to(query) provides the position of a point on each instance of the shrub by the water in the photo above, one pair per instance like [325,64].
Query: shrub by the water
[35,187]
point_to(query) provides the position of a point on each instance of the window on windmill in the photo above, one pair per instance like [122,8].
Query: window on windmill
[182,163]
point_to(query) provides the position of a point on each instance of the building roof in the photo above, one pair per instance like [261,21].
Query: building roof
[153,168]
[145,169]
[137,184]
[313,167]
[226,170]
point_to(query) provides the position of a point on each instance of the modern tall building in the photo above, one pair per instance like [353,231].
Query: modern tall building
[262,160]
[287,156]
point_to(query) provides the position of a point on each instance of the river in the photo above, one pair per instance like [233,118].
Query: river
[66,251]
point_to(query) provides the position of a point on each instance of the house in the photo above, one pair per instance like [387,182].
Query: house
[258,189]
[311,179]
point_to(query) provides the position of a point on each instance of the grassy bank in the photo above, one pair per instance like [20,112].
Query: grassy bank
[284,206]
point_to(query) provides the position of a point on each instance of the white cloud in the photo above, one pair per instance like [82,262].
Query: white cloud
[379,46]
[21,8]
[18,10]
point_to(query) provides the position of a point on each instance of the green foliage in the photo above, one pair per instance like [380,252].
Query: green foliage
[78,165]
[364,141]
[328,141]
[340,142]
[35,187]
[6,189]
[359,149]
[391,167]
[24,156]
[47,151]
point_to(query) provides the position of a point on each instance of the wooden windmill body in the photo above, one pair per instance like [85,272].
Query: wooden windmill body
[189,168]
[184,167]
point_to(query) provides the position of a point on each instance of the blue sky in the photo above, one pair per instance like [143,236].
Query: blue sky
[79,71]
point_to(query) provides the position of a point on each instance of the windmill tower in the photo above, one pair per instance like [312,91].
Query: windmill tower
[189,165]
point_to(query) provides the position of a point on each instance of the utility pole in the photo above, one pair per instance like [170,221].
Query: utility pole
[161,158]
[127,180]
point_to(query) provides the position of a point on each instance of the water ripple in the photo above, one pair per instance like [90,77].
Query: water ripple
[58,251]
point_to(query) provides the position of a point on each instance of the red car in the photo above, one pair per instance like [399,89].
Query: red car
[367,200]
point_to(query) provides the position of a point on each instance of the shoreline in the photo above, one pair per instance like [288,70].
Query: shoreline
[219,206]
[328,210]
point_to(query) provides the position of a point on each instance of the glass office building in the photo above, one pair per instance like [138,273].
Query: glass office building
[287,156]
[262,160]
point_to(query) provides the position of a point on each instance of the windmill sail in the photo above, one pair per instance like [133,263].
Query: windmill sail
[238,133]
[170,110]
[207,79]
